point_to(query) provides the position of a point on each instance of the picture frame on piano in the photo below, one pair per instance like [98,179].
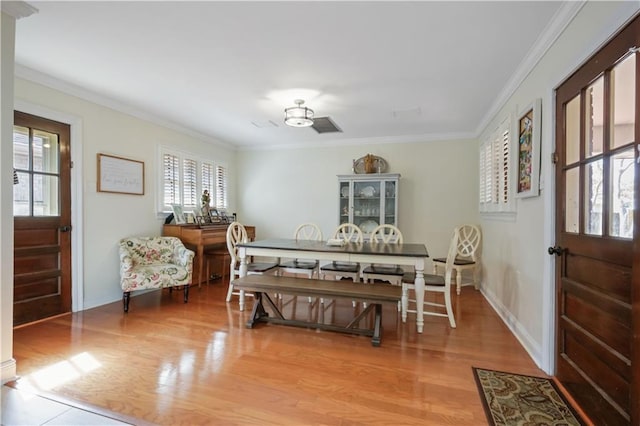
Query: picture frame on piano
[178,214]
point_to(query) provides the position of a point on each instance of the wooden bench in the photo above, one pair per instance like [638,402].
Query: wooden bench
[373,294]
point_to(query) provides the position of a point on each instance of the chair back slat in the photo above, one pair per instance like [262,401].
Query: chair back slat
[308,231]
[236,233]
[349,232]
[388,234]
[468,241]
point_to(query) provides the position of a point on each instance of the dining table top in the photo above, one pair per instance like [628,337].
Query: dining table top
[366,248]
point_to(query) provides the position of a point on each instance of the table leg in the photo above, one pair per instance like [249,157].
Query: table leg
[419,288]
[242,253]
[200,256]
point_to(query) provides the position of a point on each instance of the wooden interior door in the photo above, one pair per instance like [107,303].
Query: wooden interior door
[597,270]
[42,218]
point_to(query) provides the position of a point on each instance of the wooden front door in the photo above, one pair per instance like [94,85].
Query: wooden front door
[42,218]
[597,232]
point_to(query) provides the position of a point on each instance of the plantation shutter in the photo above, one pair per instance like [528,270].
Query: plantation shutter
[221,187]
[171,179]
[495,171]
[505,166]
[189,184]
[207,177]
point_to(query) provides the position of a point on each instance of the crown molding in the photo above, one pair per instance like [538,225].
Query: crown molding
[548,36]
[17,9]
[383,140]
[47,80]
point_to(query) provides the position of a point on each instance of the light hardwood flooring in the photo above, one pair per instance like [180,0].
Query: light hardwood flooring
[170,363]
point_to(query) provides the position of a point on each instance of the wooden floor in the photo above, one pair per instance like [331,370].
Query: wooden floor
[170,363]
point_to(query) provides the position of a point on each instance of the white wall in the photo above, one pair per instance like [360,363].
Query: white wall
[437,191]
[108,217]
[518,274]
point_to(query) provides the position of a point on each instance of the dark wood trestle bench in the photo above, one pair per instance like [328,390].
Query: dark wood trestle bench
[373,294]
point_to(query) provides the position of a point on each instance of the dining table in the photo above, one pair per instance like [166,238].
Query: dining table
[408,254]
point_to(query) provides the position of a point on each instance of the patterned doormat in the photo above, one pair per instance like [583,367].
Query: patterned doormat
[514,400]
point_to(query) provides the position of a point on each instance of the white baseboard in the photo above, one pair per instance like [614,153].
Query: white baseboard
[533,349]
[8,369]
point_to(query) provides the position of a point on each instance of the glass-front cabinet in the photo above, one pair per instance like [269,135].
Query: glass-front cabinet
[368,200]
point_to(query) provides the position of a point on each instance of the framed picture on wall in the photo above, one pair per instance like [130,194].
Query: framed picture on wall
[528,150]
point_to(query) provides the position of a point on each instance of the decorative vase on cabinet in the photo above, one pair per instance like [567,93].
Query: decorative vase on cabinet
[368,200]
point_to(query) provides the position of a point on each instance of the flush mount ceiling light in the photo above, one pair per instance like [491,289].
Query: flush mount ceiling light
[298,116]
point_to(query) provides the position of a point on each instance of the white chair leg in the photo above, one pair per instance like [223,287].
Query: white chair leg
[476,278]
[458,280]
[447,302]
[230,291]
[405,302]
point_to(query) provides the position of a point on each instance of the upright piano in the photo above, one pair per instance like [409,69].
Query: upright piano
[198,238]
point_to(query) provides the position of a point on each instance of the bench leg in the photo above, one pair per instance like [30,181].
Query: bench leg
[377,328]
[186,293]
[354,322]
[257,312]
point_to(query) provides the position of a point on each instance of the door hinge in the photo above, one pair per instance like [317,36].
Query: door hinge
[554,157]
[71,165]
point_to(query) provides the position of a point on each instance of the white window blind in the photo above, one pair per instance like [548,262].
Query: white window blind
[221,187]
[171,179]
[184,178]
[189,182]
[495,192]
[207,177]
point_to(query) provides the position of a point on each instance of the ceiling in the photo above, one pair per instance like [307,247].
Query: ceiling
[225,71]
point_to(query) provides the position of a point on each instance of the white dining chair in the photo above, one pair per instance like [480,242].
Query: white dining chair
[436,284]
[305,231]
[384,234]
[310,268]
[236,234]
[347,232]
[469,239]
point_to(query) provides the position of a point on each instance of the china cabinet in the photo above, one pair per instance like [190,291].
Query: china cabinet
[368,200]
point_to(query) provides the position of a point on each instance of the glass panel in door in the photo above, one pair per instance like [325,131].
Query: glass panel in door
[623,83]
[593,187]
[36,161]
[594,118]
[572,130]
[622,194]
[572,200]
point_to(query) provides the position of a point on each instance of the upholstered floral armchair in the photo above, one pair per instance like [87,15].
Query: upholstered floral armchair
[154,262]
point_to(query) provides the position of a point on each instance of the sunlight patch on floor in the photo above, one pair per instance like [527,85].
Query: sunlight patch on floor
[62,372]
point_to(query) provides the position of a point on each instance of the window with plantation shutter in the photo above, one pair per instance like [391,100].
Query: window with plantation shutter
[184,178]
[221,187]
[495,192]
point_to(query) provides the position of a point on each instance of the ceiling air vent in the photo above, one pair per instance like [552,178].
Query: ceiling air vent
[325,125]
